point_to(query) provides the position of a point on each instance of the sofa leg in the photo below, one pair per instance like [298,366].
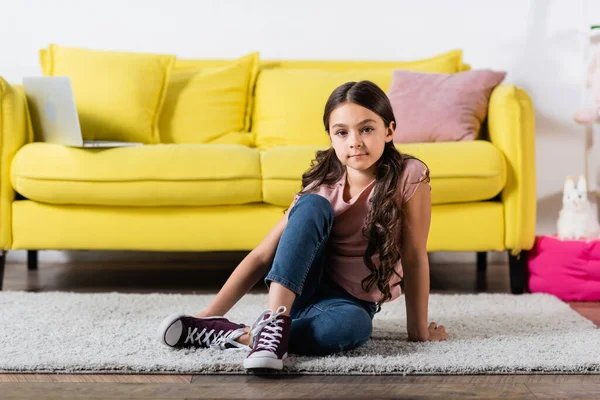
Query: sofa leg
[518,272]
[2,262]
[481,271]
[32,260]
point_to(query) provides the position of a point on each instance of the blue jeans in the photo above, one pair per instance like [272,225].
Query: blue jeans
[326,319]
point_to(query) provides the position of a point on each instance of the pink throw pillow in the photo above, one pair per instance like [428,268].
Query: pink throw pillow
[432,107]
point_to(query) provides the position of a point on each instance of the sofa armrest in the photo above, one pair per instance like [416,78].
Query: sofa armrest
[511,127]
[15,132]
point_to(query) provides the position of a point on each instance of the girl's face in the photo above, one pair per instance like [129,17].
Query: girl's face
[358,136]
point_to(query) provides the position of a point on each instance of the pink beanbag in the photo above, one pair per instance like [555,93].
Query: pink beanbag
[568,269]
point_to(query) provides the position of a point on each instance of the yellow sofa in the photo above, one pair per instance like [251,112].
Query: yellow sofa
[225,194]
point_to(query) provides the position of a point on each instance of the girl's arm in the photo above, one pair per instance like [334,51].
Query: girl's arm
[241,280]
[415,264]
[252,268]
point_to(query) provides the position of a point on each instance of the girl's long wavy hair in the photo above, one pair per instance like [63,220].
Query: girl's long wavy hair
[383,225]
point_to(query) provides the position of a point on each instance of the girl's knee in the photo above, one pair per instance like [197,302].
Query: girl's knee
[347,330]
[359,329]
[315,202]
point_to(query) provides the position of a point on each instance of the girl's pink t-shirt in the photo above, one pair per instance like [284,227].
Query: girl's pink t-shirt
[347,244]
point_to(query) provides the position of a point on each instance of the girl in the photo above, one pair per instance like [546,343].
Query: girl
[357,229]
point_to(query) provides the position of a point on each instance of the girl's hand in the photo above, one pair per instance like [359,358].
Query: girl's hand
[436,333]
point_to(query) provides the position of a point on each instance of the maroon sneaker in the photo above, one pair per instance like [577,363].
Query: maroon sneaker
[270,335]
[184,331]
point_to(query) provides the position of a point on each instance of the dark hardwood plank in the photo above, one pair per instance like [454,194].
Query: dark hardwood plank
[590,311]
[338,379]
[202,276]
[565,390]
[265,390]
[397,379]
[95,378]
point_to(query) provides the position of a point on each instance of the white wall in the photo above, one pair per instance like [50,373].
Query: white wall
[537,42]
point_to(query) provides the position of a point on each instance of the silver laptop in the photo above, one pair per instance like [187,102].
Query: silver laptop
[54,114]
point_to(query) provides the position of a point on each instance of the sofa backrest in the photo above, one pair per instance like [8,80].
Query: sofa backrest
[290,95]
[253,102]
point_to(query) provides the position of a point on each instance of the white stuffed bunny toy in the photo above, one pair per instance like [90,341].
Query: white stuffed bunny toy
[576,220]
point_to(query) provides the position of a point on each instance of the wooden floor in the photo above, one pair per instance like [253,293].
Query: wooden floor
[206,275]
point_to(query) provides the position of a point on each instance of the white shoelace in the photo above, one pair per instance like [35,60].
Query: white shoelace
[230,338]
[217,341]
[269,340]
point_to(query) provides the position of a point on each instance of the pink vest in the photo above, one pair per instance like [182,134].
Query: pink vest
[347,245]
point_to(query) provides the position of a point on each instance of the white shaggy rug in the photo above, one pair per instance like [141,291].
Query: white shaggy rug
[116,333]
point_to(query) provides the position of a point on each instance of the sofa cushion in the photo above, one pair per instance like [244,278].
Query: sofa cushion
[119,95]
[183,64]
[450,61]
[460,171]
[290,96]
[209,104]
[153,175]
[431,107]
